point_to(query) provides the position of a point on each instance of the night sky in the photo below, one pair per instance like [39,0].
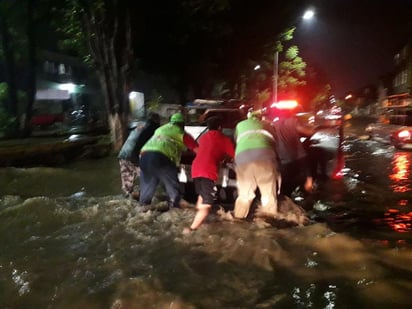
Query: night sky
[354,41]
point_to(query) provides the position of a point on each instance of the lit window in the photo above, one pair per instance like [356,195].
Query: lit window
[404,77]
[62,69]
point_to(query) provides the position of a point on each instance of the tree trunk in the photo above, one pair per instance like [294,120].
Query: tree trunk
[108,34]
[116,131]
[31,88]
[10,66]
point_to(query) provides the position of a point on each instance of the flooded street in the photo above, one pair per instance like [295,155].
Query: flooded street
[68,239]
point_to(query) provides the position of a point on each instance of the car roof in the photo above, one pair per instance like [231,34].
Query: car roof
[230,116]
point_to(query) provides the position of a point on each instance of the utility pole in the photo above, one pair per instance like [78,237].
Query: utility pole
[275,77]
[306,16]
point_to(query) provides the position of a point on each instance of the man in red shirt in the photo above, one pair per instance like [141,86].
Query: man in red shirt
[214,147]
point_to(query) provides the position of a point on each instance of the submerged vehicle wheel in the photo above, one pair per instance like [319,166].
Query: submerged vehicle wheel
[227,195]
[188,192]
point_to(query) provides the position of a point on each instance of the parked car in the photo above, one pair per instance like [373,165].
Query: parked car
[46,120]
[393,127]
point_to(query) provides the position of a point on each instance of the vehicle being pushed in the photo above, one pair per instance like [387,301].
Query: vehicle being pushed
[394,124]
[196,117]
[324,147]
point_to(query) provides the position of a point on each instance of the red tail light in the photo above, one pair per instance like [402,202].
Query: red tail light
[404,134]
[338,171]
[285,104]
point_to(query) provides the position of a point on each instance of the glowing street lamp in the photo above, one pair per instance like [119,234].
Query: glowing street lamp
[308,15]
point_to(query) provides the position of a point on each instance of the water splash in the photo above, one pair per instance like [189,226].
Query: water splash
[21,282]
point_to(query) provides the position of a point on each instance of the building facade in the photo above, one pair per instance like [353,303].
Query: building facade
[402,79]
[67,95]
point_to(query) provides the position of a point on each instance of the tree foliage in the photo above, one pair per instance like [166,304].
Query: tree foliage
[291,65]
[8,47]
[8,123]
[100,31]
[296,78]
[291,71]
[19,37]
[199,48]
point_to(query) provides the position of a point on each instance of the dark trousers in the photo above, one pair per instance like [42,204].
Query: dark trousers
[319,158]
[156,168]
[294,175]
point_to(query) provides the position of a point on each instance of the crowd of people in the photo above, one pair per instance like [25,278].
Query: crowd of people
[269,158]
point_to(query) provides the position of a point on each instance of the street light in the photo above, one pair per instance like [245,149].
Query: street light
[309,14]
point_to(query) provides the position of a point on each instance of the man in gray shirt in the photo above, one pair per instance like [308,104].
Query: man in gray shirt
[129,154]
[292,155]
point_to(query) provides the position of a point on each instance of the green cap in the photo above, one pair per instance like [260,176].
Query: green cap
[254,114]
[178,117]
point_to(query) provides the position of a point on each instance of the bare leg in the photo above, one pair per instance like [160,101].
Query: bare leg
[309,184]
[200,216]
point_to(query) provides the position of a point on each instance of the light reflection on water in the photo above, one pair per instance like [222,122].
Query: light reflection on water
[93,250]
[398,221]
[401,172]
[103,255]
[399,218]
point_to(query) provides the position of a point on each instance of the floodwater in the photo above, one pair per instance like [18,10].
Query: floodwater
[69,240]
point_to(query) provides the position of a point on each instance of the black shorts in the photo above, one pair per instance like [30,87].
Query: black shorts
[206,188]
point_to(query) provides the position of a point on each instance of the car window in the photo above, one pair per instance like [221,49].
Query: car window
[229,118]
[193,115]
[196,119]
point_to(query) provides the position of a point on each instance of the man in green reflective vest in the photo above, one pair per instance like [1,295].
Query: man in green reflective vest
[256,166]
[160,157]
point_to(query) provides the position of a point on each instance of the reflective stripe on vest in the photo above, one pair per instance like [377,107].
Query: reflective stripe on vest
[259,131]
[168,139]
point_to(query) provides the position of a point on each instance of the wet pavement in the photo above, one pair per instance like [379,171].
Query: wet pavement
[68,239]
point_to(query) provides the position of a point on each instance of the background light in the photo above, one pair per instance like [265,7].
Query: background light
[285,104]
[132,95]
[70,87]
[308,14]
